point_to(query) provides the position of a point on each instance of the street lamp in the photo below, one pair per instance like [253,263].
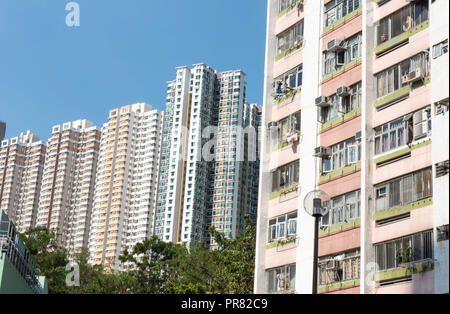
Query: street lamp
[313,205]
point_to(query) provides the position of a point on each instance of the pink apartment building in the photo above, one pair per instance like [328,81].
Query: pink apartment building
[356,105]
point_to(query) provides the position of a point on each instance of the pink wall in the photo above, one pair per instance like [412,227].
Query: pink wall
[340,242]
[418,98]
[348,78]
[289,19]
[287,107]
[288,63]
[345,184]
[282,255]
[341,132]
[420,158]
[284,156]
[283,205]
[421,220]
[388,8]
[347,30]
[417,43]
[353,290]
[422,283]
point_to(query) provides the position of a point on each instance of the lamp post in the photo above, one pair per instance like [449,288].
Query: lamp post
[313,205]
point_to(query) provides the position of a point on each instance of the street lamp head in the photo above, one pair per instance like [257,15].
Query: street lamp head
[314,203]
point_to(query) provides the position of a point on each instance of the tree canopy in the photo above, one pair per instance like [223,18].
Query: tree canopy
[152,266]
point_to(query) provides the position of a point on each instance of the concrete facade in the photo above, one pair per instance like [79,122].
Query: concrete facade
[206,179]
[374,137]
[125,184]
[21,168]
[67,192]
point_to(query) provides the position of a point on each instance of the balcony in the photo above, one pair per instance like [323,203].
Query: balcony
[340,173]
[400,39]
[341,119]
[401,152]
[297,4]
[333,229]
[289,51]
[283,192]
[338,286]
[402,210]
[342,70]
[281,99]
[342,20]
[399,94]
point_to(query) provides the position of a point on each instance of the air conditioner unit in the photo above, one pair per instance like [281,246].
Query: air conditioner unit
[322,101]
[272,125]
[358,135]
[440,109]
[442,169]
[331,264]
[342,91]
[322,152]
[413,76]
[382,191]
[335,45]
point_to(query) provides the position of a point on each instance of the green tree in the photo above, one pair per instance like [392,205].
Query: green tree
[50,257]
[235,261]
[153,263]
[180,288]
[230,269]
[94,279]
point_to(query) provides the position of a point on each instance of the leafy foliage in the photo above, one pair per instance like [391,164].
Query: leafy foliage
[153,266]
[50,258]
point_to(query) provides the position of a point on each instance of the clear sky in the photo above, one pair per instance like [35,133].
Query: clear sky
[123,52]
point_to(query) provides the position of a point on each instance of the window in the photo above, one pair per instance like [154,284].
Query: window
[402,251]
[284,4]
[285,176]
[290,38]
[337,9]
[440,49]
[402,131]
[390,80]
[390,136]
[343,154]
[404,190]
[342,209]
[281,279]
[282,227]
[286,126]
[332,111]
[342,104]
[288,81]
[401,21]
[334,60]
[337,268]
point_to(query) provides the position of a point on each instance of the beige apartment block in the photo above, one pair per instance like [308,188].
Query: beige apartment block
[67,192]
[127,177]
[21,167]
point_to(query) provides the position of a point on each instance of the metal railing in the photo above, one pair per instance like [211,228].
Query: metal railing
[14,250]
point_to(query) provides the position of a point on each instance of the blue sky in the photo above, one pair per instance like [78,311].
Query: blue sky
[123,52]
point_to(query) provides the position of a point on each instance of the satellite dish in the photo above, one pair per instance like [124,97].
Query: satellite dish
[314,203]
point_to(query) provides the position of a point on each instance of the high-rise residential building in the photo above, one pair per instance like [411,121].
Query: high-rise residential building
[2,130]
[21,166]
[207,173]
[125,188]
[369,126]
[67,192]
